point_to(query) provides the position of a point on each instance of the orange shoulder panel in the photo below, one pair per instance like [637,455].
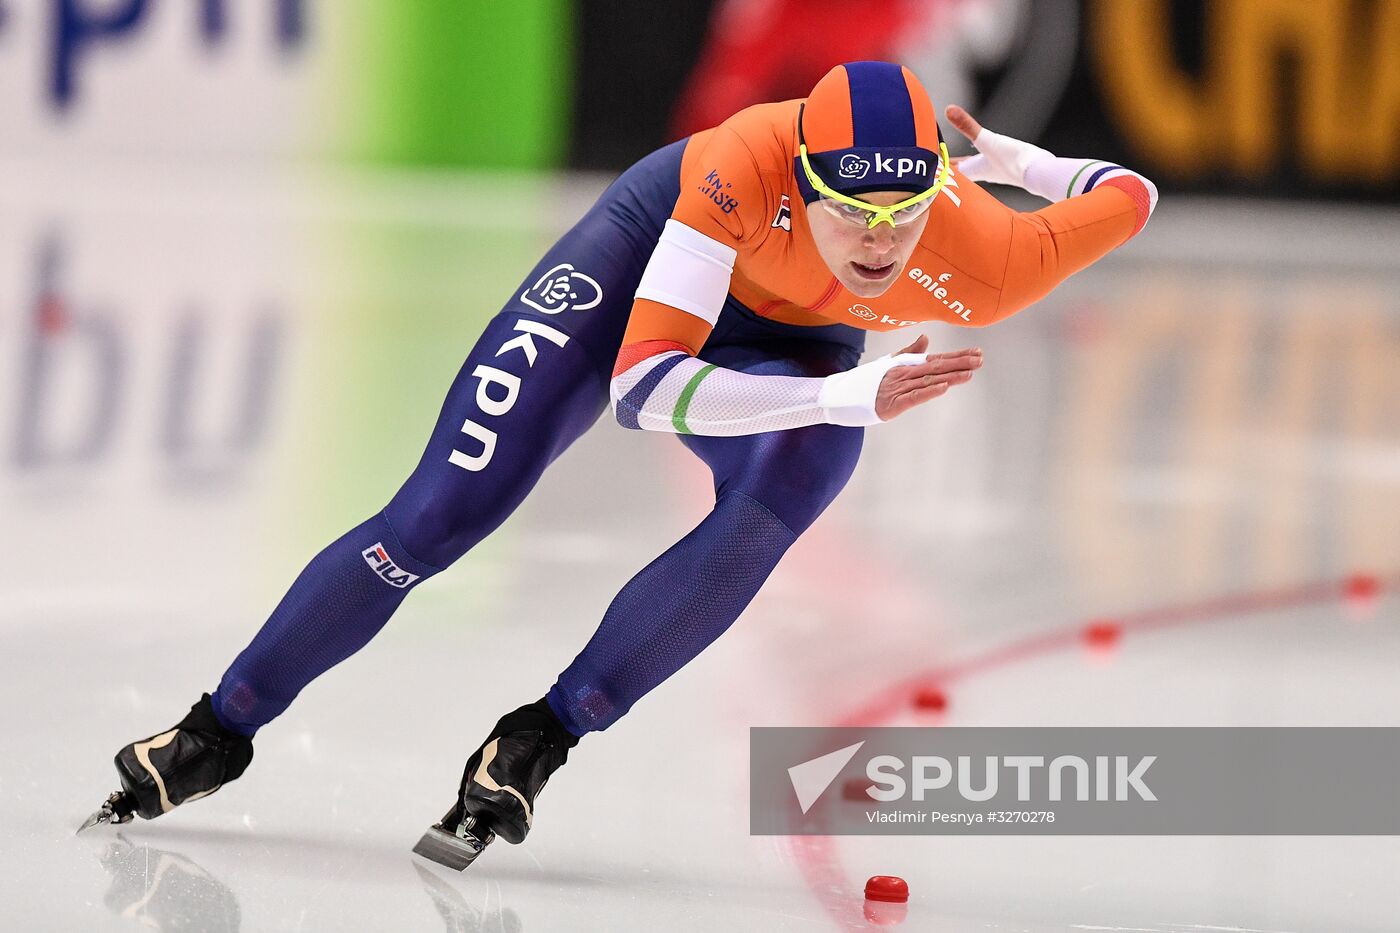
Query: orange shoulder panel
[722,193]
[728,194]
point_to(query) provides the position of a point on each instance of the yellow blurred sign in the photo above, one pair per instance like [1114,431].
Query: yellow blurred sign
[1309,88]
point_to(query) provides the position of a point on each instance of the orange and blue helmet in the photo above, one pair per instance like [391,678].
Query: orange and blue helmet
[869,126]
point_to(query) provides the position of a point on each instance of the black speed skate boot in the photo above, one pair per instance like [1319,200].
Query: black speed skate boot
[499,786]
[192,760]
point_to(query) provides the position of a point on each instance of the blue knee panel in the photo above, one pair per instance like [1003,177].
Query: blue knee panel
[769,488]
[669,612]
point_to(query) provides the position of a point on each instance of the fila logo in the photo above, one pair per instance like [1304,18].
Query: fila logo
[563,288]
[784,218]
[388,571]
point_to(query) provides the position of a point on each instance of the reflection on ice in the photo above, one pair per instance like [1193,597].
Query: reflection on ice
[460,917]
[166,891]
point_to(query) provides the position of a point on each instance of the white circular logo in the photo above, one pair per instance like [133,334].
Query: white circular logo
[563,288]
[853,166]
[862,312]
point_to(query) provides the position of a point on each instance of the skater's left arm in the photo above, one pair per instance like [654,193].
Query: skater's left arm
[660,384]
[1096,207]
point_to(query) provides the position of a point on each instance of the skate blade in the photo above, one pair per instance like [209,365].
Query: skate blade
[101,816]
[117,808]
[448,850]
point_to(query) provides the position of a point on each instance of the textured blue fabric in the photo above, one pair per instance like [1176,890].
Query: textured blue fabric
[548,363]
[339,602]
[795,474]
[669,612]
[333,608]
[769,488]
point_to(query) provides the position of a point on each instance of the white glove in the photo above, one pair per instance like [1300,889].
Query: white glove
[849,398]
[1001,160]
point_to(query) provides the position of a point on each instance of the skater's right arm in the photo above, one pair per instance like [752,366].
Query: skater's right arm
[668,389]
[659,384]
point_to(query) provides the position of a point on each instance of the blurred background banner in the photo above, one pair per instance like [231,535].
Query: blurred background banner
[245,246]
[416,82]
[1286,98]
[219,219]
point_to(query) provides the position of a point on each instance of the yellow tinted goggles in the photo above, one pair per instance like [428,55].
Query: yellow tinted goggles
[870,215]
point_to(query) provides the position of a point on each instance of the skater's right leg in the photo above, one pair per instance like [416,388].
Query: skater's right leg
[519,418]
[465,485]
[526,392]
[536,380]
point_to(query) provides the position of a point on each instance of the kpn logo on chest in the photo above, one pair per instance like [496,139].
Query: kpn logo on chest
[866,313]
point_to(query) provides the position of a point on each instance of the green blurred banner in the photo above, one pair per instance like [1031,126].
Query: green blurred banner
[453,83]
[459,83]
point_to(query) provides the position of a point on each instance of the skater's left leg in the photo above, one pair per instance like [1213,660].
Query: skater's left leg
[768,489]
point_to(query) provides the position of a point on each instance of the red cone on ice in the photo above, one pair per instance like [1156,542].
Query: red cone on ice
[931,700]
[1362,591]
[889,888]
[1103,633]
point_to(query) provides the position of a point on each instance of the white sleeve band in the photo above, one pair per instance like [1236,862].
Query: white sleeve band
[1056,179]
[1006,161]
[677,393]
[695,397]
[689,271]
[849,398]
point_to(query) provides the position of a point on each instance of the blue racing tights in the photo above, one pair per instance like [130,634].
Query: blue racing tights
[535,381]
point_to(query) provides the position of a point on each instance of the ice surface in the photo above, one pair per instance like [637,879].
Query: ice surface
[205,382]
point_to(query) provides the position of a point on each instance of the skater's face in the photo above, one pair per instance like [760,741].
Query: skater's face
[867,260]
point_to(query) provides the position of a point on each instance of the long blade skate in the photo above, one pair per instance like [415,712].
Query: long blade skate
[450,850]
[116,809]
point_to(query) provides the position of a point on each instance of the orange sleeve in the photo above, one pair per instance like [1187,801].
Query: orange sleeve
[722,198]
[654,321]
[1049,245]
